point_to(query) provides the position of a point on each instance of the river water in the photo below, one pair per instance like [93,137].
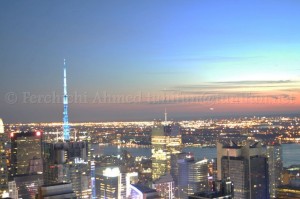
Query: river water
[290,152]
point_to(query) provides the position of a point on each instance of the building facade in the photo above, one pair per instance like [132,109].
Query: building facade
[161,159]
[247,167]
[26,147]
[192,176]
[67,162]
[165,187]
[107,182]
[142,192]
[3,159]
[56,191]
[274,154]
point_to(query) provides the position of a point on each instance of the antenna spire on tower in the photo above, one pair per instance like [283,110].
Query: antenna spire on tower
[166,115]
[66,127]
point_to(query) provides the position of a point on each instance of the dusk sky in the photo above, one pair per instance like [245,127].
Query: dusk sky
[201,58]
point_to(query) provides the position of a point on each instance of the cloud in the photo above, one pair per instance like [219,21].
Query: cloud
[255,82]
[165,72]
[286,84]
[242,91]
[214,58]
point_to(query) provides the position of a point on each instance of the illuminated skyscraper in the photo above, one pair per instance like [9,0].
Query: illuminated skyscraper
[166,147]
[67,161]
[3,159]
[192,176]
[174,140]
[160,154]
[247,168]
[93,180]
[125,179]
[112,182]
[80,177]
[107,183]
[274,154]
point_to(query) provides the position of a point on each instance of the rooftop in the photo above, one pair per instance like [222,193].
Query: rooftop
[143,188]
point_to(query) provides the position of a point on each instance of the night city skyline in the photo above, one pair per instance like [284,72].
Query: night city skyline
[196,58]
[149,99]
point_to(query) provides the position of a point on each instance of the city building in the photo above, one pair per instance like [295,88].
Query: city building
[223,189]
[174,140]
[175,169]
[67,162]
[26,148]
[25,186]
[26,167]
[56,191]
[113,182]
[212,172]
[3,159]
[192,176]
[214,169]
[165,186]
[80,177]
[142,192]
[125,180]
[107,182]
[160,154]
[209,195]
[144,166]
[12,190]
[274,154]
[247,168]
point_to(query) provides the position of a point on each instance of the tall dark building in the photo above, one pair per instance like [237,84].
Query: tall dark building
[26,150]
[56,191]
[3,159]
[223,189]
[60,157]
[25,186]
[67,162]
[246,166]
[26,168]
[175,169]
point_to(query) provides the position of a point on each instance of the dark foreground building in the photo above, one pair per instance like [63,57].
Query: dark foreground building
[247,168]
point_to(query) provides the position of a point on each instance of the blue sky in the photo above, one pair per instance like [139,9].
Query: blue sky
[126,47]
